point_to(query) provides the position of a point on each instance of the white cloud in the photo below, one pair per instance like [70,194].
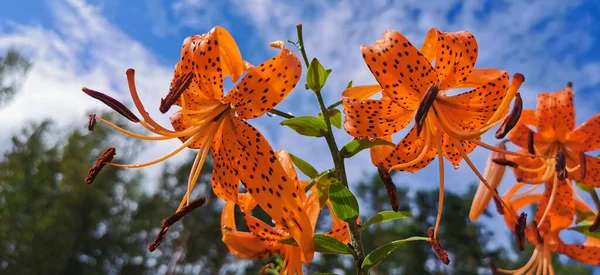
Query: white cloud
[82,49]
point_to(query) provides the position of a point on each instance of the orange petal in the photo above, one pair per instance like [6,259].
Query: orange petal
[379,153]
[265,86]
[561,211]
[555,114]
[216,52]
[581,253]
[517,204]
[408,149]
[586,137]
[339,229]
[526,162]
[480,77]
[258,167]
[455,55]
[451,152]
[361,92]
[400,69]
[471,110]
[519,135]
[292,260]
[263,230]
[592,242]
[592,172]
[241,244]
[246,202]
[225,184]
[373,118]
[312,208]
[286,162]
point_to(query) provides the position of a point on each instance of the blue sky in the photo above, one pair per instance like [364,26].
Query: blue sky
[76,43]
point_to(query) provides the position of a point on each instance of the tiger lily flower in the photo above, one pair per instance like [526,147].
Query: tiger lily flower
[264,240]
[446,125]
[209,120]
[545,236]
[554,120]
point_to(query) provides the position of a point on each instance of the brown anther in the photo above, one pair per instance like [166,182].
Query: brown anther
[498,203]
[511,120]
[105,158]
[596,224]
[538,236]
[439,250]
[390,187]
[520,231]
[582,163]
[505,162]
[561,165]
[531,143]
[425,105]
[173,219]
[570,84]
[181,84]
[113,104]
[92,122]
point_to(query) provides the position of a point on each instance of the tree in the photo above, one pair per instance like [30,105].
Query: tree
[13,68]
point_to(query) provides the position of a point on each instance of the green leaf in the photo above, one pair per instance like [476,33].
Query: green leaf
[307,126]
[356,145]
[323,190]
[349,84]
[377,255]
[335,117]
[330,245]
[304,167]
[316,75]
[581,216]
[584,187]
[583,229]
[384,216]
[324,244]
[343,202]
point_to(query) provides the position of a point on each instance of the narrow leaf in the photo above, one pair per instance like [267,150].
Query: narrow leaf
[356,145]
[377,255]
[304,167]
[330,245]
[584,187]
[583,229]
[335,117]
[349,84]
[307,126]
[384,216]
[343,202]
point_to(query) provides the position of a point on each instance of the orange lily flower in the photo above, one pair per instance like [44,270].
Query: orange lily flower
[263,240]
[554,120]
[545,235]
[446,125]
[211,121]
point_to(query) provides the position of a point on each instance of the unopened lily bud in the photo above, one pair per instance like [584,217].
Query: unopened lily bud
[493,175]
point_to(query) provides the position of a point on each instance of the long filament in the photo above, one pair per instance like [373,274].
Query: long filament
[186,132]
[441,191]
[550,201]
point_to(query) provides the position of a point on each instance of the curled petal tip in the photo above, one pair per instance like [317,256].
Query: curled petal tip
[519,77]
[277,44]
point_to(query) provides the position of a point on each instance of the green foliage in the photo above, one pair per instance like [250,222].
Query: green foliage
[384,216]
[379,254]
[316,75]
[13,67]
[304,167]
[356,145]
[307,125]
[335,117]
[343,202]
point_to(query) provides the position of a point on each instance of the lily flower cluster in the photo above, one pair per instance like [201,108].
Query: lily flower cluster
[412,85]
[559,203]
[211,121]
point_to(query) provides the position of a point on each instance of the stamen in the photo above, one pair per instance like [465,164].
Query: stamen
[505,162]
[561,165]
[173,219]
[511,120]
[538,236]
[533,260]
[156,128]
[582,165]
[105,158]
[551,200]
[425,105]
[439,250]
[515,84]
[421,155]
[172,153]
[531,143]
[462,152]
[92,122]
[112,103]
[185,132]
[175,92]
[390,187]
[520,231]
[460,134]
[504,151]
[570,84]
[533,188]
[498,204]
[438,218]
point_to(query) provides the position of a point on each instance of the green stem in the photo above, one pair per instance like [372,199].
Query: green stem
[355,238]
[281,113]
[335,105]
[301,44]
